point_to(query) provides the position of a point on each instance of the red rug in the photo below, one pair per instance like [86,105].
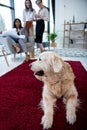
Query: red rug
[20,94]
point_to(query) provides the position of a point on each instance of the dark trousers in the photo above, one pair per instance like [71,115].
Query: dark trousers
[40,26]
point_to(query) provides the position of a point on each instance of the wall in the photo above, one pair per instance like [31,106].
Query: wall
[65,10]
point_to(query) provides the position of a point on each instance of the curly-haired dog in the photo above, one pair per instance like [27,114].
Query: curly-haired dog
[58,79]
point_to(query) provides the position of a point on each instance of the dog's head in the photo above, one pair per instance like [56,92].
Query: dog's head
[46,63]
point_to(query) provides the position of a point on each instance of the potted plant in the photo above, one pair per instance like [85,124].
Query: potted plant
[52,37]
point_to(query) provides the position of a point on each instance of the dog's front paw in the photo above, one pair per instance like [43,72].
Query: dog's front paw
[71,118]
[47,122]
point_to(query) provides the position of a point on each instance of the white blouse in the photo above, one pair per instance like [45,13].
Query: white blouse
[28,15]
[44,13]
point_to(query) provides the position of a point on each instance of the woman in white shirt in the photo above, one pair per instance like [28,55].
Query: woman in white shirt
[40,25]
[29,15]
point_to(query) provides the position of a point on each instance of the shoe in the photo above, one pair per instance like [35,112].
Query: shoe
[26,59]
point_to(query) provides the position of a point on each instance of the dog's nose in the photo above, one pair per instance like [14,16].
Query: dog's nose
[30,65]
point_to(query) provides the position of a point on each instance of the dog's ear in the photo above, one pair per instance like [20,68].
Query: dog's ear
[56,63]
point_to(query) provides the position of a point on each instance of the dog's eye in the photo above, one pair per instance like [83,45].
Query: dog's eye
[39,59]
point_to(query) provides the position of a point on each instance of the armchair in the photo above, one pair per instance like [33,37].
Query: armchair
[29,45]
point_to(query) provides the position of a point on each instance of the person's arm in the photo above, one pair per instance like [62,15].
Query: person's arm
[24,16]
[46,15]
[34,15]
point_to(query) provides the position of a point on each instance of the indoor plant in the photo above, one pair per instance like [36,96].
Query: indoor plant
[52,37]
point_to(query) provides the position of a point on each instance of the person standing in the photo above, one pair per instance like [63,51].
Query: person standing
[28,16]
[41,17]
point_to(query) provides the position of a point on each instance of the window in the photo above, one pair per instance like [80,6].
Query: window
[6,15]
[5,20]
[7,2]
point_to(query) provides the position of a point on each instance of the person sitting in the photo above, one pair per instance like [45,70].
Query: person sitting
[21,37]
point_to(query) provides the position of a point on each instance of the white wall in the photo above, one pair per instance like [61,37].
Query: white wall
[65,9]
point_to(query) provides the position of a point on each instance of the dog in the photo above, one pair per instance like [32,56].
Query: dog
[58,78]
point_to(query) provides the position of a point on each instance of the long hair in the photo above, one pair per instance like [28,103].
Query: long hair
[31,8]
[14,25]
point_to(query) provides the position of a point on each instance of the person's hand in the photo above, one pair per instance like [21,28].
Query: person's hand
[37,16]
[30,20]
[19,30]
[34,20]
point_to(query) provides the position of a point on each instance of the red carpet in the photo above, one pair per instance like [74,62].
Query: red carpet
[20,94]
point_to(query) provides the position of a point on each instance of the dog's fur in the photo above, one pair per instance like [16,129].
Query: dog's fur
[58,79]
